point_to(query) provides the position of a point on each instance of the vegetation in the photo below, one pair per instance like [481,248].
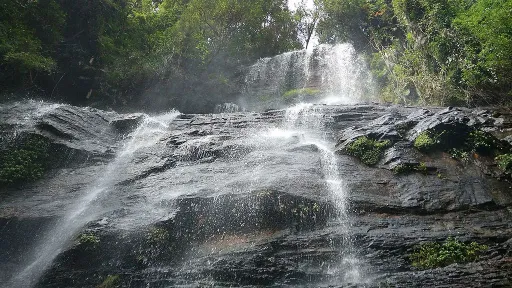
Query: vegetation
[189,53]
[295,95]
[504,162]
[481,142]
[115,52]
[429,51]
[158,236]
[88,241]
[426,141]
[460,154]
[111,281]
[26,162]
[369,151]
[432,254]
[406,168]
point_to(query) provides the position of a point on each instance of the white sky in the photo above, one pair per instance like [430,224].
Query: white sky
[292,4]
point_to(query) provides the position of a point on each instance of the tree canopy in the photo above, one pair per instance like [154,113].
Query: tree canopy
[190,54]
[430,51]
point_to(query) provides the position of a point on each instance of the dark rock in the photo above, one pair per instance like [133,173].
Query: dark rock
[127,123]
[229,200]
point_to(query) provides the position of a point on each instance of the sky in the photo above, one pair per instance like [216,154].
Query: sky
[292,4]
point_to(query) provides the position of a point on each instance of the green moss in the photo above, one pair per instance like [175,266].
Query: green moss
[111,281]
[158,236]
[504,162]
[407,168]
[26,162]
[88,241]
[426,141]
[432,254]
[292,95]
[369,151]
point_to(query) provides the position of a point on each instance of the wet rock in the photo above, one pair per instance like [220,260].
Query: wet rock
[127,123]
[236,199]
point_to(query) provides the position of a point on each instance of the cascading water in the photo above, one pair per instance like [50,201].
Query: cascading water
[222,155]
[332,74]
[307,120]
[86,208]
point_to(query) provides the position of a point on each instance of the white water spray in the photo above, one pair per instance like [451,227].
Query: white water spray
[148,133]
[307,121]
[335,74]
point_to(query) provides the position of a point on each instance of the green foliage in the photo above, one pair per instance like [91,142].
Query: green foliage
[504,162]
[406,168]
[429,51]
[432,254]
[487,28]
[27,162]
[29,35]
[460,154]
[481,142]
[112,281]
[426,141]
[369,151]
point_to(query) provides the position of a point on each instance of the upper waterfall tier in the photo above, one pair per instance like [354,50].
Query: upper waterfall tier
[330,74]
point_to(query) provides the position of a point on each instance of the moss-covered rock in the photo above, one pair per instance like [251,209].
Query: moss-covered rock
[304,94]
[111,281]
[406,168]
[432,254]
[368,150]
[24,161]
[504,162]
[427,141]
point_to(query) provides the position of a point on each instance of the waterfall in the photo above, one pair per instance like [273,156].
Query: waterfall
[308,121]
[85,209]
[331,74]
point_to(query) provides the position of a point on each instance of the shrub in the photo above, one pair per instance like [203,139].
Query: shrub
[432,254]
[369,151]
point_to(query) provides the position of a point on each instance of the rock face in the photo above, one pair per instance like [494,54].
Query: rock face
[247,199]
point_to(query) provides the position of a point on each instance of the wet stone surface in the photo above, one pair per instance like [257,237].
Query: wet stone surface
[247,199]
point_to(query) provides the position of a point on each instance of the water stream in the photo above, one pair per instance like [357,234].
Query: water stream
[85,209]
[329,74]
[266,162]
[308,121]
